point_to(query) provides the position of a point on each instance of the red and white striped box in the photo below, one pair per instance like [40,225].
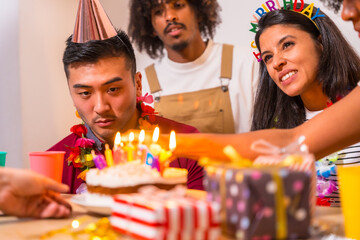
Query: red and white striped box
[148,218]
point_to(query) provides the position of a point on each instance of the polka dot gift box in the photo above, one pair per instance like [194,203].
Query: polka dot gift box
[261,202]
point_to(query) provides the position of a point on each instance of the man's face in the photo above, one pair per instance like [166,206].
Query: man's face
[104,94]
[175,23]
[351,12]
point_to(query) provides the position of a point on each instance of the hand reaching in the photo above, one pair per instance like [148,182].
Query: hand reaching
[26,194]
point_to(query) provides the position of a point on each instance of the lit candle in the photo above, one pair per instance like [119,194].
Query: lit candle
[118,152]
[130,148]
[172,142]
[141,148]
[108,156]
[141,136]
[99,160]
[155,149]
[165,155]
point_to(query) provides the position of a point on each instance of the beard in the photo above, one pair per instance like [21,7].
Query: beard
[180,46]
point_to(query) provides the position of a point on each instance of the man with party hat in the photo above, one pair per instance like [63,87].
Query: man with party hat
[100,67]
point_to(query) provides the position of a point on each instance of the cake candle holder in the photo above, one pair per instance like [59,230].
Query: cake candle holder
[99,160]
[118,152]
[149,159]
[165,155]
[108,156]
[142,149]
[155,149]
[130,148]
[155,163]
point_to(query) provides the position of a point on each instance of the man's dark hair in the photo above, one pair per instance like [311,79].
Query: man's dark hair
[94,50]
[339,70]
[141,30]
[333,4]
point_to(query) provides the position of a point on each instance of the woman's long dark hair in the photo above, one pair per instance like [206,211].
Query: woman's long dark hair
[339,70]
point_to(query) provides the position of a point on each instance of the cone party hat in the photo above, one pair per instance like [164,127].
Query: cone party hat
[92,23]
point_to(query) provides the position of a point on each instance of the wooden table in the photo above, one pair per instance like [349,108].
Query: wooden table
[328,218]
[14,228]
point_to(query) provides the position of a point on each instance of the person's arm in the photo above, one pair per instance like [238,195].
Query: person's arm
[331,130]
[211,145]
[335,128]
[26,194]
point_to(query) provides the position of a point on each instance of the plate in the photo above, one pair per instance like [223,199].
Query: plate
[102,207]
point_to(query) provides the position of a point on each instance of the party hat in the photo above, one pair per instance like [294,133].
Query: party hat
[92,23]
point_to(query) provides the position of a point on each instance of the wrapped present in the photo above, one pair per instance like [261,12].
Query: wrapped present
[261,203]
[271,198]
[323,171]
[165,216]
[295,156]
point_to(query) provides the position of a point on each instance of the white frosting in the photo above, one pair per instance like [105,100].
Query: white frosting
[99,200]
[129,174]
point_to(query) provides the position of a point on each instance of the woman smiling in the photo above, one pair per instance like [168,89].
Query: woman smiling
[307,65]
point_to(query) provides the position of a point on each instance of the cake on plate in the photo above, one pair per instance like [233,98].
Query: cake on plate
[129,177]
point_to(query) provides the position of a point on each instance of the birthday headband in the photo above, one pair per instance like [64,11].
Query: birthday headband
[269,6]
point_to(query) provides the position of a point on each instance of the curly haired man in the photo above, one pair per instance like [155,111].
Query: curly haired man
[195,80]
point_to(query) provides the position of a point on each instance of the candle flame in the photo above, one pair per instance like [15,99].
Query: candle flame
[131,137]
[155,137]
[117,139]
[172,143]
[75,224]
[141,136]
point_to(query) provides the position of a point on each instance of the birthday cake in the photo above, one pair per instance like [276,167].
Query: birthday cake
[129,177]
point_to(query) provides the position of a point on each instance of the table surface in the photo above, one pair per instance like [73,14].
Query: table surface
[329,219]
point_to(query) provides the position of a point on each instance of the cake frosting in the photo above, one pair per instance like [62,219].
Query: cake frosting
[130,176]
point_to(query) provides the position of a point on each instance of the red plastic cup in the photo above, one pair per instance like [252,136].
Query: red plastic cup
[49,164]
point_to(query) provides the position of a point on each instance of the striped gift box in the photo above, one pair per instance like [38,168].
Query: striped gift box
[144,217]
